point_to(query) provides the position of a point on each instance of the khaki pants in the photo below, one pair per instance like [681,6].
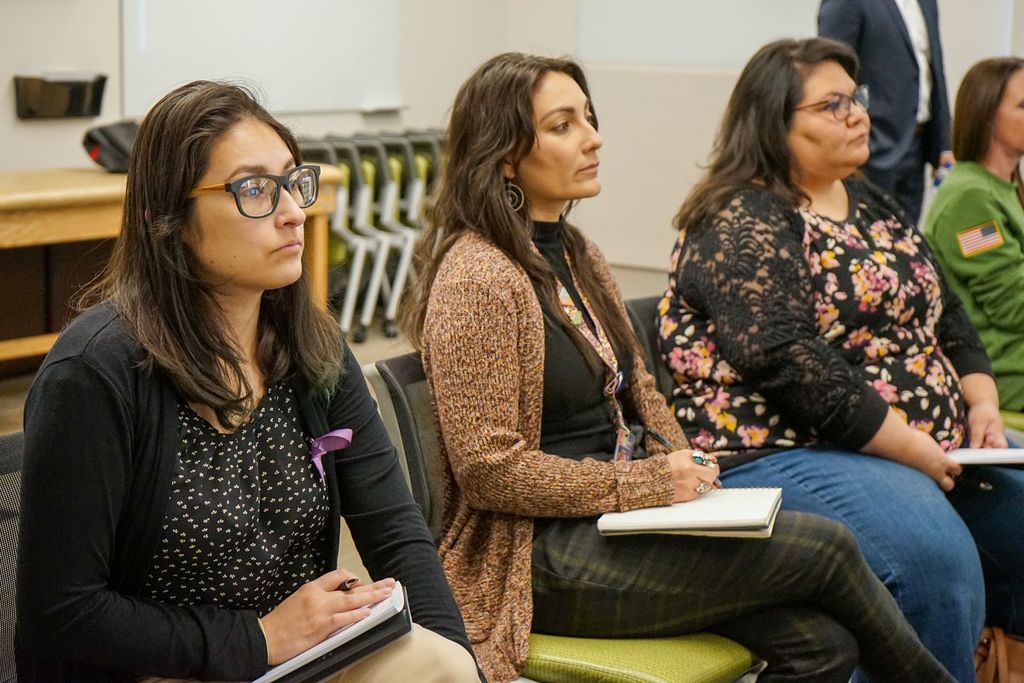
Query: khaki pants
[421,656]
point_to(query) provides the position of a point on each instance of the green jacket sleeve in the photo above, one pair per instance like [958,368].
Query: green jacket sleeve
[993,277]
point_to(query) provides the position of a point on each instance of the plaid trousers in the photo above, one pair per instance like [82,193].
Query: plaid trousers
[804,600]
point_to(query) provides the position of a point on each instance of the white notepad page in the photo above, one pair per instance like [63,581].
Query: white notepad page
[988,456]
[720,509]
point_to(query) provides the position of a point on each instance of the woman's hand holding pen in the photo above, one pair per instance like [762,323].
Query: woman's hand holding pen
[689,478]
[318,609]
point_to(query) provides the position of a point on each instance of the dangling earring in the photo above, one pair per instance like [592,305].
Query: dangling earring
[514,195]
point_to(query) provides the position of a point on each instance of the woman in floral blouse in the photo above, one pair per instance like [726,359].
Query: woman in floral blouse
[807,326]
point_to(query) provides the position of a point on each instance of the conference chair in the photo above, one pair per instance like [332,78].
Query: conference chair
[399,213]
[12,447]
[405,406]
[427,146]
[344,246]
[411,176]
[643,316]
[378,222]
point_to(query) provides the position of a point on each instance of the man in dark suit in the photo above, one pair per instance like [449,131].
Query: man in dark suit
[901,63]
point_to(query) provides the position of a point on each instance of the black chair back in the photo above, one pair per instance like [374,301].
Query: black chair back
[417,438]
[12,448]
[643,314]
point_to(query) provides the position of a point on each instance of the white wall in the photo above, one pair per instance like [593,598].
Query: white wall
[974,30]
[442,43]
[48,35]
[657,121]
[1017,44]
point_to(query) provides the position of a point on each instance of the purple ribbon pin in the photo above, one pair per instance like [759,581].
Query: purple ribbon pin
[331,441]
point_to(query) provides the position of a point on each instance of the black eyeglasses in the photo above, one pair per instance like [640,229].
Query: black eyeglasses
[840,105]
[257,195]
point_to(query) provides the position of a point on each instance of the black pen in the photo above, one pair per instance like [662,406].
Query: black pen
[662,440]
[967,477]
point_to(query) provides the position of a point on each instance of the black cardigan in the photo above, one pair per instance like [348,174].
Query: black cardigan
[100,446]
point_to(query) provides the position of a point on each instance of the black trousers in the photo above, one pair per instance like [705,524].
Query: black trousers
[804,600]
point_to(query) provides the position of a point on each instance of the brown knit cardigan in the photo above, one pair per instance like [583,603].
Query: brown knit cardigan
[483,352]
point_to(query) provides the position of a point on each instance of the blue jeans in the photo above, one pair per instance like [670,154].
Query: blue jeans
[935,553]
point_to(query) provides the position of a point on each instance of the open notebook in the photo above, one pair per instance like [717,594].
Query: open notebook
[747,512]
[988,456]
[389,619]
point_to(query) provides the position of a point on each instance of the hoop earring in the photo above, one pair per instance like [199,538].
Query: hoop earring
[514,195]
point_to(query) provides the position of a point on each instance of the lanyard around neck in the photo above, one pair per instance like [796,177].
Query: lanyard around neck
[597,338]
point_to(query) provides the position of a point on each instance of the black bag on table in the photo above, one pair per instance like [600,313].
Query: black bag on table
[110,146]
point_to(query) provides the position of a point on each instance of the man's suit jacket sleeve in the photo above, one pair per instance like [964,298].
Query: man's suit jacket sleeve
[841,20]
[941,137]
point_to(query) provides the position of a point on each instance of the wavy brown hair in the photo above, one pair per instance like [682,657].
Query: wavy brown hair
[977,101]
[751,147]
[491,124]
[153,281]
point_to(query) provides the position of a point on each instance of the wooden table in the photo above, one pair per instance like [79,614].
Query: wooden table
[73,205]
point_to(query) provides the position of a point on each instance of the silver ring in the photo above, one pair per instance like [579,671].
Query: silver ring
[703,488]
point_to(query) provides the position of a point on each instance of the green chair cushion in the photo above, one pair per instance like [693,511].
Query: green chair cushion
[1013,420]
[697,658]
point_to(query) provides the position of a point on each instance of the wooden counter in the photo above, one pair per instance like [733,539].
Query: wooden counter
[73,205]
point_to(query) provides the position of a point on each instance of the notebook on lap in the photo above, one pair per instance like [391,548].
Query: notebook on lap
[742,512]
[389,620]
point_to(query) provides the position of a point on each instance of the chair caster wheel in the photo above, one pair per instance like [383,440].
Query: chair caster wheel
[359,335]
[390,329]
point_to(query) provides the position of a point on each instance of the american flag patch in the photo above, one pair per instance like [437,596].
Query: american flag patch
[979,238]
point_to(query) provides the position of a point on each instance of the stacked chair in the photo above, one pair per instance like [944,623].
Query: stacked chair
[404,402]
[344,246]
[388,228]
[426,145]
[385,181]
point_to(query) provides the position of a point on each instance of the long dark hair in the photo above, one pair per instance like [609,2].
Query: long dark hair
[977,101]
[153,281]
[492,124]
[751,147]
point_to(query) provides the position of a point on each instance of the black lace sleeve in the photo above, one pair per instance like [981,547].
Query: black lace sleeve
[746,272]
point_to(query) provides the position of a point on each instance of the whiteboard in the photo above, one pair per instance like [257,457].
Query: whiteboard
[707,33]
[303,56]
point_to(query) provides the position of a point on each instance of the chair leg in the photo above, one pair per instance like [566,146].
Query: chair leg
[355,275]
[398,285]
[373,290]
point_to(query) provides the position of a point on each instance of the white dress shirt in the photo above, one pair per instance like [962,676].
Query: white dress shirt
[918,30]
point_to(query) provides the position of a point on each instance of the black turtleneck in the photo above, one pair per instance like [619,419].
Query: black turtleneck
[576,418]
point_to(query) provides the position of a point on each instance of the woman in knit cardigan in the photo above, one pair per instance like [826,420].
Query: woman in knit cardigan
[542,401]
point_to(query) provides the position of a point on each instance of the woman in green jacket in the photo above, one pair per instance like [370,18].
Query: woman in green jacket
[976,223]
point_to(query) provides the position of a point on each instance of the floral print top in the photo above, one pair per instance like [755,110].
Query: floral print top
[782,327]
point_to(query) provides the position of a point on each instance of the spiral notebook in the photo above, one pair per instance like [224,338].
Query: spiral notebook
[389,620]
[741,512]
